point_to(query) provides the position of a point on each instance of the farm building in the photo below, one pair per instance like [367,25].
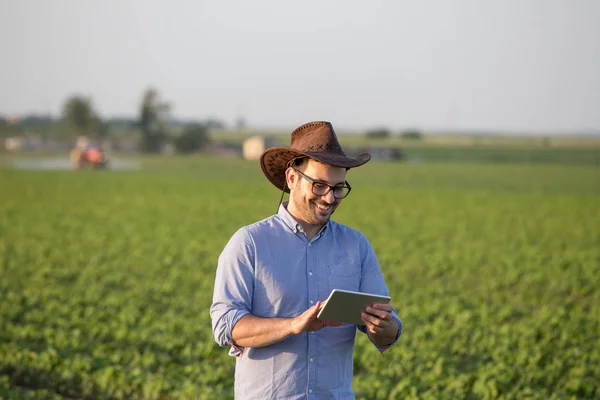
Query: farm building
[255,145]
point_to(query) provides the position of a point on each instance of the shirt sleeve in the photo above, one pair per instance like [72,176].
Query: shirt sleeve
[372,281]
[233,289]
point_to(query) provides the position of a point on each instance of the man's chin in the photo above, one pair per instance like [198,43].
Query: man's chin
[321,219]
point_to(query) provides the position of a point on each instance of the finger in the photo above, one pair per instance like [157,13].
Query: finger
[383,306]
[378,313]
[310,314]
[314,310]
[375,329]
[374,319]
[368,318]
[314,325]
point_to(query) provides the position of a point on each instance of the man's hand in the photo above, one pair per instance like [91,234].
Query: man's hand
[308,321]
[251,331]
[382,327]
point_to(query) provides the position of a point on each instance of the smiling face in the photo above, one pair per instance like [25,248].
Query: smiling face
[311,210]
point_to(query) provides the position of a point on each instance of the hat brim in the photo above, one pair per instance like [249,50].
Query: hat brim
[274,161]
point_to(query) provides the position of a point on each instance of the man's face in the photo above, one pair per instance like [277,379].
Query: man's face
[312,208]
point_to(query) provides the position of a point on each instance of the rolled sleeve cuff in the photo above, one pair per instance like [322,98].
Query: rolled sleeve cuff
[230,319]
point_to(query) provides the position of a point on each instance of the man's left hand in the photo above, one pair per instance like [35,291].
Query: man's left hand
[379,321]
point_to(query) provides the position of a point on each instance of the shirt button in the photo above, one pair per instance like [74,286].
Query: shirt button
[311,360]
[311,302]
[309,390]
[310,273]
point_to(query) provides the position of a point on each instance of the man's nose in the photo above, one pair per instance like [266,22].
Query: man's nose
[329,197]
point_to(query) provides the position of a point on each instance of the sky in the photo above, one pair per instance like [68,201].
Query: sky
[527,66]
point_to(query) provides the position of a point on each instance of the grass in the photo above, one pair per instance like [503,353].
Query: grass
[107,278]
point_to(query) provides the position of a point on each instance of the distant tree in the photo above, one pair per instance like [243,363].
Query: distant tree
[153,121]
[101,128]
[215,123]
[378,133]
[45,126]
[193,138]
[79,115]
[121,123]
[7,128]
[33,122]
[412,133]
[240,123]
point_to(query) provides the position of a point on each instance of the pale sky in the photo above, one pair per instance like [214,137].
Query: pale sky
[518,65]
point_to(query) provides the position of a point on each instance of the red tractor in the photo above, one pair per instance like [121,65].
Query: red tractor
[89,157]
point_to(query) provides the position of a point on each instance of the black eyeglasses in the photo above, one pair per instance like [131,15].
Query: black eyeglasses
[321,188]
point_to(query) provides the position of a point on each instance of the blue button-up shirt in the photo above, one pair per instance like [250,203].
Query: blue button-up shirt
[270,269]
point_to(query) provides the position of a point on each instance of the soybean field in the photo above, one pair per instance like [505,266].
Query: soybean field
[106,278]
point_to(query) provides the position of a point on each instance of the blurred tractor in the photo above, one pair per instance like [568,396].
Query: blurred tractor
[88,157]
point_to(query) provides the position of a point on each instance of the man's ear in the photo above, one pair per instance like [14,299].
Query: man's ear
[290,177]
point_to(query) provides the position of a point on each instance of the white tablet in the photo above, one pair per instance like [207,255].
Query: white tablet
[346,305]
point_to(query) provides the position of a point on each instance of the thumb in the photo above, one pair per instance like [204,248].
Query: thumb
[314,310]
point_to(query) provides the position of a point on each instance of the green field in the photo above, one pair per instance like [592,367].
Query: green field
[106,277]
[498,149]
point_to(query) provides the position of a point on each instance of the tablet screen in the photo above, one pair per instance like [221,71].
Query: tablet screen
[346,306]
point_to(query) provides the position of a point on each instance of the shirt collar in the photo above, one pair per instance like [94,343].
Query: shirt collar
[291,223]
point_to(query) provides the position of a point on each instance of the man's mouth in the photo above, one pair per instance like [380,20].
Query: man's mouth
[323,207]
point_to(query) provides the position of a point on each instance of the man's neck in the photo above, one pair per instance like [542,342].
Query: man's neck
[309,229]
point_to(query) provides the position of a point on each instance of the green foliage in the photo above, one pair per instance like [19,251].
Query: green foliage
[412,134]
[153,121]
[7,128]
[378,133]
[107,279]
[502,155]
[193,138]
[78,113]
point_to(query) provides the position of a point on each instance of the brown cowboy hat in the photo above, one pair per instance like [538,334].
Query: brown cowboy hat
[316,140]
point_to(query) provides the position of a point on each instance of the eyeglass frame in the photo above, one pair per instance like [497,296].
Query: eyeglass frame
[329,187]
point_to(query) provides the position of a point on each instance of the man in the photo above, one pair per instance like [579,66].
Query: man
[273,275]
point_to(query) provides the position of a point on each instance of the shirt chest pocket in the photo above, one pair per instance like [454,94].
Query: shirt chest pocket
[345,276]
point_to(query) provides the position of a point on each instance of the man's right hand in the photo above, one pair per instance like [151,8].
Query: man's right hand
[251,331]
[308,321]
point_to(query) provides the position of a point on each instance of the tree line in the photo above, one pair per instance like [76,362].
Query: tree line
[153,122]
